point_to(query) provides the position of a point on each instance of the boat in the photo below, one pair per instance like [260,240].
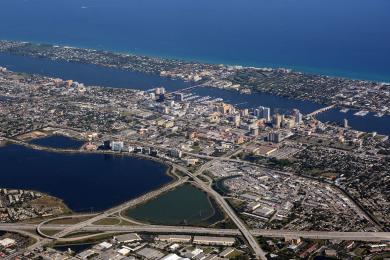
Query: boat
[362,113]
[379,114]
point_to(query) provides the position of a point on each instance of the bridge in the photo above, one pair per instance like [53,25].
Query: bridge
[187,89]
[321,110]
[242,229]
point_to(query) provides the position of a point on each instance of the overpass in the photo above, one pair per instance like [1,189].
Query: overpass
[159,229]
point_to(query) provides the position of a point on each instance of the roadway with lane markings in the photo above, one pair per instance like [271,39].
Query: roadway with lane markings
[361,236]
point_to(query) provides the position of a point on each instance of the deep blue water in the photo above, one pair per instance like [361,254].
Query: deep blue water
[368,123]
[349,38]
[58,141]
[278,104]
[83,181]
[97,75]
[88,74]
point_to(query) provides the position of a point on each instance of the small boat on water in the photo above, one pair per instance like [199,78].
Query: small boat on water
[362,113]
[379,114]
[344,110]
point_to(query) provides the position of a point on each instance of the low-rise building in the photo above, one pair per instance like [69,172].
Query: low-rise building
[206,240]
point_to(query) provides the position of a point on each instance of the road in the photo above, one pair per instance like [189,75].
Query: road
[252,241]
[217,197]
[243,229]
[361,236]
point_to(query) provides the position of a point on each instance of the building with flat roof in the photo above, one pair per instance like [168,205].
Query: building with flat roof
[128,238]
[174,238]
[206,240]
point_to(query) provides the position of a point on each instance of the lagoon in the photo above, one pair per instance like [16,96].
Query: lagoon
[86,182]
[185,205]
[58,141]
[97,75]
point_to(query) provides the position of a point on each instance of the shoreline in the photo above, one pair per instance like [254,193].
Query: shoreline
[202,222]
[316,88]
[168,172]
[349,75]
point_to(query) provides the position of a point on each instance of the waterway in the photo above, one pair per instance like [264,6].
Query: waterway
[58,141]
[347,38]
[84,181]
[97,75]
[89,74]
[185,205]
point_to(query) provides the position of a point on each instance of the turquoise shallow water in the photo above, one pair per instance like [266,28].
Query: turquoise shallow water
[347,38]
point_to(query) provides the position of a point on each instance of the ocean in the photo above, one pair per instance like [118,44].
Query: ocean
[348,38]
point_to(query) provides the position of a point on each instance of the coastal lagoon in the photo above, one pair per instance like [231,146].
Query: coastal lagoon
[185,205]
[84,181]
[89,74]
[97,75]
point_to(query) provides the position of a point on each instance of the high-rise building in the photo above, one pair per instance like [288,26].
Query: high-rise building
[244,112]
[175,153]
[346,123]
[226,109]
[159,91]
[107,145]
[179,97]
[237,120]
[288,122]
[298,116]
[274,137]
[278,120]
[267,114]
[263,112]
[255,131]
[257,113]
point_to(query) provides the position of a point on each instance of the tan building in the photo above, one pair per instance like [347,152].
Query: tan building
[174,238]
[206,240]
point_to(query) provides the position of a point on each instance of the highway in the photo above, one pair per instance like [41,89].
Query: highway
[252,241]
[249,235]
[158,229]
[217,197]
